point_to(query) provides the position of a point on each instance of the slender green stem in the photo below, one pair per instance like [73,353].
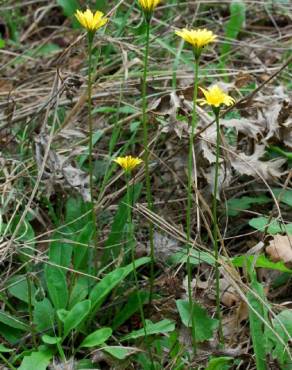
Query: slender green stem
[146,156]
[215,230]
[89,98]
[61,352]
[189,202]
[29,293]
[90,146]
[130,239]
[7,362]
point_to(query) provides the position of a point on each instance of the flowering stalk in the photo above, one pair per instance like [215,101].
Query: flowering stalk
[130,239]
[215,97]
[90,143]
[189,202]
[198,39]
[148,7]
[215,228]
[128,164]
[91,22]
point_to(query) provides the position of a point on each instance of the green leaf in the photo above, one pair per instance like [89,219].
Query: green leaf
[275,227]
[101,290]
[10,334]
[24,234]
[260,261]
[51,340]
[97,338]
[219,363]
[60,251]
[161,327]
[80,251]
[79,291]
[37,360]
[85,364]
[126,109]
[234,206]
[47,49]
[119,352]
[83,157]
[279,350]
[77,213]
[112,245]
[12,321]
[196,257]
[2,43]
[57,286]
[256,311]
[205,326]
[130,308]
[17,287]
[69,8]
[5,349]
[62,314]
[43,315]
[233,26]
[76,316]
[286,195]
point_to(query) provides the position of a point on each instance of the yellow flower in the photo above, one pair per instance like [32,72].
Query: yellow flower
[198,38]
[148,5]
[128,163]
[91,22]
[215,97]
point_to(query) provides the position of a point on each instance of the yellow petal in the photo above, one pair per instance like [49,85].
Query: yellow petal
[91,22]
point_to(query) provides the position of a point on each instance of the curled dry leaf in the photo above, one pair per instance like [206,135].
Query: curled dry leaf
[169,106]
[224,179]
[251,165]
[229,297]
[280,249]
[164,246]
[205,145]
[248,127]
[59,169]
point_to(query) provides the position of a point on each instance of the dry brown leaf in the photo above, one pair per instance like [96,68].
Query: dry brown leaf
[229,297]
[248,127]
[224,179]
[205,146]
[243,79]
[164,246]
[251,165]
[280,249]
[286,134]
[59,169]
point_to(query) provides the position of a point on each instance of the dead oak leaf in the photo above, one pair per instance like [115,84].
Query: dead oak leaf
[248,127]
[280,249]
[251,165]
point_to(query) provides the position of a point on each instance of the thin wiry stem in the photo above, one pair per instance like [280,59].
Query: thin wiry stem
[189,202]
[130,240]
[90,144]
[29,294]
[5,361]
[146,156]
[215,230]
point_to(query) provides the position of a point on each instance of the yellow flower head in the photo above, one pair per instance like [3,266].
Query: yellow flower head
[215,97]
[91,22]
[128,163]
[148,5]
[198,38]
